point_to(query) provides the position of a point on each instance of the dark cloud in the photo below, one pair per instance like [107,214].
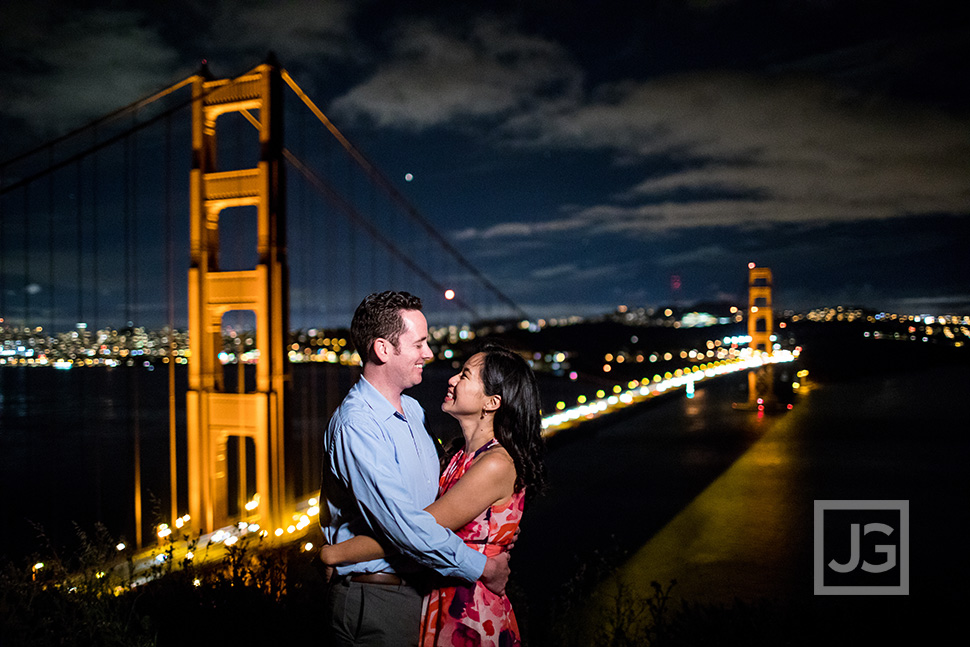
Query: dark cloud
[62,71]
[312,36]
[439,76]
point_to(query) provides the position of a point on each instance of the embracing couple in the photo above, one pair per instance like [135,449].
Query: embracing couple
[416,555]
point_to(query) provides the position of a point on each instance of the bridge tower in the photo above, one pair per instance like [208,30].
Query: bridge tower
[215,417]
[761,327]
[761,322]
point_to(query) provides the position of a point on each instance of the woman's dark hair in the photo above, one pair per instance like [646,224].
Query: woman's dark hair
[379,317]
[518,421]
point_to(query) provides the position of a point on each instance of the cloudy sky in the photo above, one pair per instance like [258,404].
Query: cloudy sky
[583,153]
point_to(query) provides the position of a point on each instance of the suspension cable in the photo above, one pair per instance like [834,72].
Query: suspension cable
[126,255]
[26,243]
[118,136]
[170,290]
[50,245]
[339,201]
[353,293]
[3,256]
[101,120]
[79,217]
[381,180]
[95,194]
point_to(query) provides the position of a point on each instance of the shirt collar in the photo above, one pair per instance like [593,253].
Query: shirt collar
[376,400]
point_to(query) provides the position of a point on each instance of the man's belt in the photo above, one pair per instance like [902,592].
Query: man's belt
[376,578]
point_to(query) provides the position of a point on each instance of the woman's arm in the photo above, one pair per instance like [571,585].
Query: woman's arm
[356,549]
[489,480]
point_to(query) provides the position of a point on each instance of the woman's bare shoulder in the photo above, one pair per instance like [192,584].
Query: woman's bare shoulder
[494,462]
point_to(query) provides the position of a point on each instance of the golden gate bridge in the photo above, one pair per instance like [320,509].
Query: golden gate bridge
[182,232]
[188,230]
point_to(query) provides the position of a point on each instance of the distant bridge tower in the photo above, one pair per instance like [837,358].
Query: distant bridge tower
[761,327]
[761,322]
[215,416]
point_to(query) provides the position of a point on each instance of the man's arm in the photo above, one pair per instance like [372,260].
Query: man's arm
[495,574]
[364,462]
[489,481]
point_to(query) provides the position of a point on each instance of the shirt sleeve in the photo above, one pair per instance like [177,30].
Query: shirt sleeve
[363,460]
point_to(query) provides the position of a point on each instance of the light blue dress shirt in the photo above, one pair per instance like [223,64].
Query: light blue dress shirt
[380,471]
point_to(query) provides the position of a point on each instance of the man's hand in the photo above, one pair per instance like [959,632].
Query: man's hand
[496,573]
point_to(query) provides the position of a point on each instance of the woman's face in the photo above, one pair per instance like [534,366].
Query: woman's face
[466,393]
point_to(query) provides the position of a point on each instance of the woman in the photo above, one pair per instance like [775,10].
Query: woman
[481,493]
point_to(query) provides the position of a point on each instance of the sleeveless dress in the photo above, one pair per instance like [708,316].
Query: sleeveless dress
[470,615]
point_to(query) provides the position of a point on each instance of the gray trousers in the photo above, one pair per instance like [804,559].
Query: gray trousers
[378,615]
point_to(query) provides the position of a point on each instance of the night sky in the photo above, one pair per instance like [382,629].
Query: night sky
[580,154]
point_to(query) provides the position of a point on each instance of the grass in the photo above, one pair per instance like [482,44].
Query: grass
[90,598]
[598,609]
[266,592]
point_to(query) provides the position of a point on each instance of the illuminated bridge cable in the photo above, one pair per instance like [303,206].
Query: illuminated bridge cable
[3,256]
[373,252]
[109,141]
[27,377]
[95,300]
[135,220]
[144,101]
[126,210]
[352,234]
[95,217]
[378,178]
[26,243]
[170,292]
[50,246]
[304,273]
[136,389]
[90,150]
[352,214]
[79,217]
[129,191]
[302,234]
[331,257]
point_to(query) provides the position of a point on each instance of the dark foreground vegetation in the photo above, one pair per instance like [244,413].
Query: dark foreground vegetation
[257,593]
[91,599]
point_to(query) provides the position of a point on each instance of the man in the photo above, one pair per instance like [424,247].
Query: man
[380,472]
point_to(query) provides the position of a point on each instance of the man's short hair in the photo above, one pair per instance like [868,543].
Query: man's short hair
[379,317]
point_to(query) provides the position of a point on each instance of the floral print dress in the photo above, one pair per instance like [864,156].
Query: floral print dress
[470,615]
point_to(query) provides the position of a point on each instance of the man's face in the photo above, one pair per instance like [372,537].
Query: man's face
[408,358]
